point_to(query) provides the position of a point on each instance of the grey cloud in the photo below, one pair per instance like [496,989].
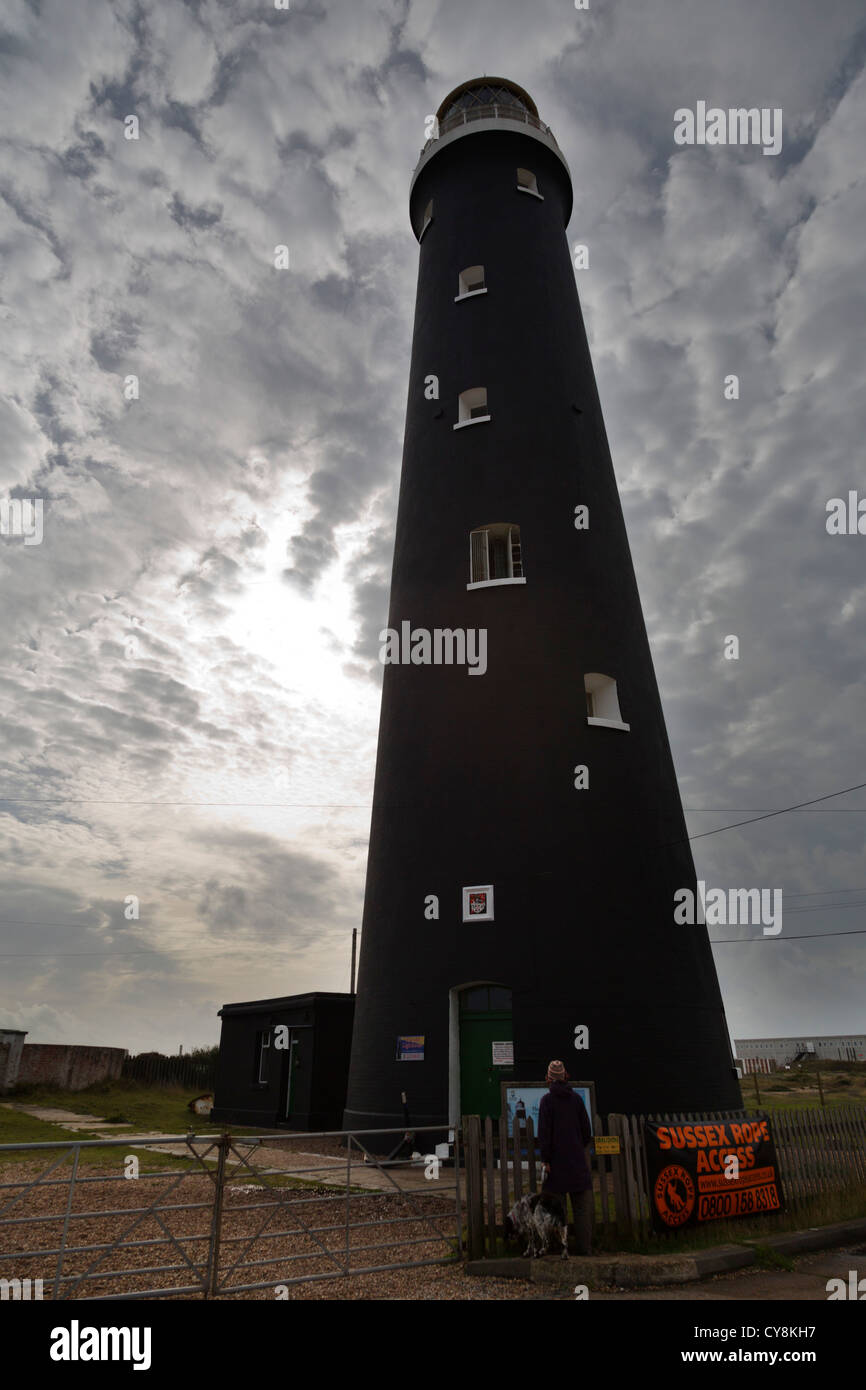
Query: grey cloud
[272,408]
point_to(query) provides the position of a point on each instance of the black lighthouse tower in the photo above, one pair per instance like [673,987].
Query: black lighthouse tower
[527,835]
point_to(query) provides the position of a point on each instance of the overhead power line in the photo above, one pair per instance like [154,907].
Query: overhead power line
[784,811]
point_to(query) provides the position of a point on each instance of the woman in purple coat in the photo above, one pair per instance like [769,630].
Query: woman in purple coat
[563,1133]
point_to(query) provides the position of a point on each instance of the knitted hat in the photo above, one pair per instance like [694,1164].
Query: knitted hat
[556,1072]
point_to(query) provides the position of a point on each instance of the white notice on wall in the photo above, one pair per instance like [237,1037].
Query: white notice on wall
[503,1054]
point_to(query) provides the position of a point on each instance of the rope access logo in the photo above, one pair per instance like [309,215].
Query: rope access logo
[674,1194]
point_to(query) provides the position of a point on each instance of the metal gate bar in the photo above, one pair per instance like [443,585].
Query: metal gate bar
[213,1252]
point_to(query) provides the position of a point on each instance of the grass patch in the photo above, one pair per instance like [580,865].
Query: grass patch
[843,1083]
[159,1109]
[18,1128]
[765,1258]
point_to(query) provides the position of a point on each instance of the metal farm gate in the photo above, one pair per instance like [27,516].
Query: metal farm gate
[218,1215]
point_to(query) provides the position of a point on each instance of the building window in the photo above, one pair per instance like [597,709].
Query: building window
[495,556]
[263,1043]
[470,282]
[527,183]
[485,999]
[478,903]
[602,702]
[472,407]
[428,218]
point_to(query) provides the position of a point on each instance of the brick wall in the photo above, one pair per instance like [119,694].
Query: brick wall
[69,1068]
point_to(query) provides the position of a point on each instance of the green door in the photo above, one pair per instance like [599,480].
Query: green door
[483,1024]
[291,1070]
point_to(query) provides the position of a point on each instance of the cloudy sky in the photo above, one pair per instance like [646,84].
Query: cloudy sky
[189,680]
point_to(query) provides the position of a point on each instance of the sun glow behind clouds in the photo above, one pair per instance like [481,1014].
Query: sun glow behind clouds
[304,638]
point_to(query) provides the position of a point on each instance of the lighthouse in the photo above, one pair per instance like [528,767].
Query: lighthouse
[527,835]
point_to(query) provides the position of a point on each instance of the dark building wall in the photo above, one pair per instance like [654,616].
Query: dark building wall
[474,777]
[322,1027]
[332,1043]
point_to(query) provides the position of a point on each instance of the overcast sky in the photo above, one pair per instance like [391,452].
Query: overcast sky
[190,686]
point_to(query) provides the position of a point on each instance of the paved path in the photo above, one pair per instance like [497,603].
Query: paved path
[286,1158]
[68,1119]
[806,1283]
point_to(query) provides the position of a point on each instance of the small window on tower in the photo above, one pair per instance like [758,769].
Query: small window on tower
[495,556]
[527,183]
[428,218]
[472,407]
[470,282]
[602,702]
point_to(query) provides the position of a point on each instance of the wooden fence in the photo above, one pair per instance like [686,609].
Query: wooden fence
[818,1152]
[151,1069]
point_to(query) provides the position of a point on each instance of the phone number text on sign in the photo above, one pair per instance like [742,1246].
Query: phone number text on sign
[715,1206]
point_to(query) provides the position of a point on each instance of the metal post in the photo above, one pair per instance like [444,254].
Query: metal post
[211,1279]
[458,1202]
[76,1155]
[348,1185]
[354,947]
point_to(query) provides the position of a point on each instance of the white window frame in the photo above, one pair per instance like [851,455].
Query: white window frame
[463,292]
[494,583]
[604,698]
[529,187]
[264,1053]
[478,917]
[468,401]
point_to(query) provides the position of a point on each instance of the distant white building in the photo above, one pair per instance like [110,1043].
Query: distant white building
[771,1054]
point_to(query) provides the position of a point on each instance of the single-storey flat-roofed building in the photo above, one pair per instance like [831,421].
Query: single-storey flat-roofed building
[771,1054]
[284,1063]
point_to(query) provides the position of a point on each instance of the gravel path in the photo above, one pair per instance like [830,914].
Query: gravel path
[302,1231]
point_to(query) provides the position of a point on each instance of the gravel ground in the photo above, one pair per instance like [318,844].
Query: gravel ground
[257,1226]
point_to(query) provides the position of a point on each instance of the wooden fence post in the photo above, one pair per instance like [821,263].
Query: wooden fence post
[503,1167]
[474,1186]
[530,1153]
[518,1161]
[620,1178]
[491,1184]
[601,1164]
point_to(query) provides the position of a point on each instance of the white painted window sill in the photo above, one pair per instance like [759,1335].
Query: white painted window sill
[521,189]
[608,723]
[478,420]
[492,583]
[470,294]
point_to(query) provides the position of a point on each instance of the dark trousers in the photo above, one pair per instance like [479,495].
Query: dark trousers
[583,1211]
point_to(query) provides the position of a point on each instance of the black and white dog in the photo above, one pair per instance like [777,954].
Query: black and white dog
[538,1216]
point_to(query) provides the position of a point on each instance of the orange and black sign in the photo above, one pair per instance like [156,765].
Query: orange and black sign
[711,1171]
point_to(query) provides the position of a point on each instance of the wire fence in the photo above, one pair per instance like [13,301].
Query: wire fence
[152,1069]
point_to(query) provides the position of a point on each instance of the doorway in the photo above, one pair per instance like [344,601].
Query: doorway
[485,1047]
[291,1070]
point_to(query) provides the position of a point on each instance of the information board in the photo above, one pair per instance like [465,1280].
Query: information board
[692,1179]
